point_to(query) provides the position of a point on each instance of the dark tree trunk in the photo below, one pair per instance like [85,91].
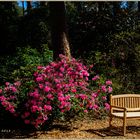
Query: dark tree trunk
[43,3]
[139,6]
[29,6]
[116,8]
[23,8]
[100,6]
[59,37]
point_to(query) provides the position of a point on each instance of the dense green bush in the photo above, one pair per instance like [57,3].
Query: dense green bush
[23,62]
[120,62]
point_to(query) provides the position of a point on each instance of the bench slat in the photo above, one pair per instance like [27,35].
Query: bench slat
[128,114]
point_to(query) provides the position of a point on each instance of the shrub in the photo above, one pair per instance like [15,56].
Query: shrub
[9,97]
[59,88]
[23,63]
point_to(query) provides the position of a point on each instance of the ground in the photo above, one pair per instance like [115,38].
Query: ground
[87,128]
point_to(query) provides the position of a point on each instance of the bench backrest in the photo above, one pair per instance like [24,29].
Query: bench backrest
[126,100]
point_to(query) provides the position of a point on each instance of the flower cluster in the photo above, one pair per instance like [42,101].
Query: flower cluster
[60,87]
[9,95]
[56,86]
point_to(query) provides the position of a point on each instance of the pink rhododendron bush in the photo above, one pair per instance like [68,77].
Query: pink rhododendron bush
[61,87]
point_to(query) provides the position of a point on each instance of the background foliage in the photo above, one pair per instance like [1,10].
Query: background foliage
[105,34]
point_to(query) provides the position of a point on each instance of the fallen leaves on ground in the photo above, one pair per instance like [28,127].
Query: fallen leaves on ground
[87,128]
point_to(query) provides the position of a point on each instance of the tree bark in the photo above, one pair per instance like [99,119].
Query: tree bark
[29,6]
[43,3]
[139,6]
[59,36]
[100,6]
[116,8]
[23,8]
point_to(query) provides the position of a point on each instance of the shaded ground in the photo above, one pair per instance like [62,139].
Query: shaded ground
[88,128]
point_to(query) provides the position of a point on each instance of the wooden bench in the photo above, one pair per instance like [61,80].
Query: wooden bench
[125,107]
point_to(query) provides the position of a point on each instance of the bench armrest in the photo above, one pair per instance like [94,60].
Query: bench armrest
[112,107]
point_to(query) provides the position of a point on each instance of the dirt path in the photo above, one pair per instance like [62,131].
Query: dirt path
[81,129]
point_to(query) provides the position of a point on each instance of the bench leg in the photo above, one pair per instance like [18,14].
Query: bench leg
[110,120]
[124,126]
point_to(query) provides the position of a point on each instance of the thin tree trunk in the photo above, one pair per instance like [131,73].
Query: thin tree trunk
[29,6]
[116,8]
[100,6]
[23,8]
[43,3]
[59,36]
[139,6]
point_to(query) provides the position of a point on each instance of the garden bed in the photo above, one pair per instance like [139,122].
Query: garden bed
[87,128]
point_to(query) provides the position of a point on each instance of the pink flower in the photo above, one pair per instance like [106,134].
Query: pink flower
[39,79]
[26,114]
[81,83]
[83,96]
[33,102]
[108,82]
[61,98]
[79,68]
[77,96]
[59,86]
[60,93]
[6,89]
[12,97]
[39,109]
[104,98]
[94,95]
[7,83]
[67,97]
[41,86]
[95,106]
[104,88]
[0,91]
[62,69]
[26,121]
[107,106]
[18,83]
[34,108]
[95,78]
[56,80]
[13,89]
[73,90]
[85,111]
[68,108]
[85,73]
[50,96]
[36,95]
[4,103]
[2,98]
[63,103]
[53,64]
[62,110]
[86,78]
[48,102]
[91,66]
[110,89]
[35,74]
[47,107]
[12,110]
[39,67]
[45,117]
[60,74]
[47,89]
